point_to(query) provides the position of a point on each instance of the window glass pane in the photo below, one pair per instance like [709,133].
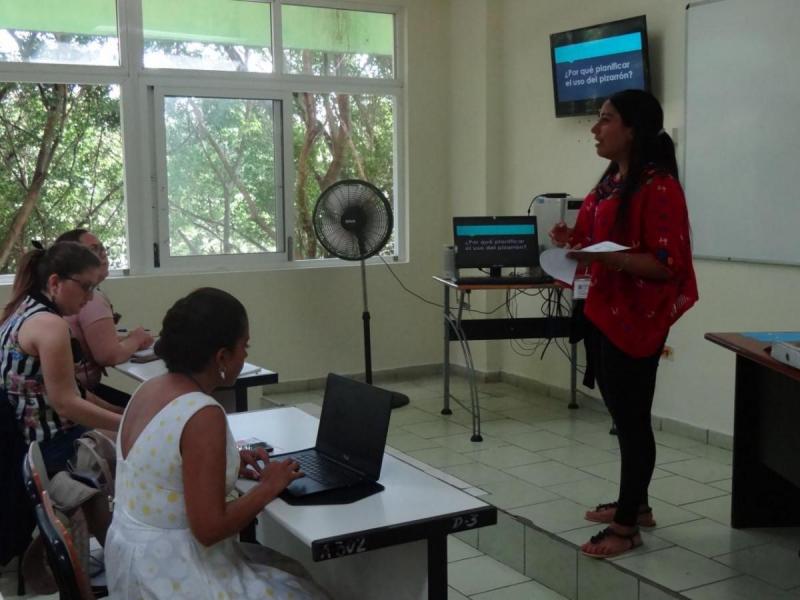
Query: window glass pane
[62,167]
[339,136]
[54,31]
[222,35]
[221,175]
[338,43]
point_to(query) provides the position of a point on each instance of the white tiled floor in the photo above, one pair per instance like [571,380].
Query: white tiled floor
[547,464]
[543,463]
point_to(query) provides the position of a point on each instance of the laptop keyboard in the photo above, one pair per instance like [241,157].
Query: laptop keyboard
[325,471]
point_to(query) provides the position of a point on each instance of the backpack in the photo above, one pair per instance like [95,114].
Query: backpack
[95,461]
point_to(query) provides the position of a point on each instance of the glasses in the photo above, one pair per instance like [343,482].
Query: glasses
[86,286]
[98,249]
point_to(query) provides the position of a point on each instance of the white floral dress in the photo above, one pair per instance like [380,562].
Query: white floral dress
[151,553]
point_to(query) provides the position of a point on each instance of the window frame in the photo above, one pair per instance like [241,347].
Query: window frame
[138,86]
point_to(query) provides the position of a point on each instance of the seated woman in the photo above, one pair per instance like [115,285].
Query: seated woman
[174,526]
[95,329]
[36,364]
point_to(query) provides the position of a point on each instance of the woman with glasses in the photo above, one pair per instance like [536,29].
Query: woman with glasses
[36,366]
[95,329]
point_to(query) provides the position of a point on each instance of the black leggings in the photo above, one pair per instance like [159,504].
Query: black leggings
[627,385]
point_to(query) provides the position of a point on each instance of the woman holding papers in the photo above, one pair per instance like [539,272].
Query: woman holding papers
[634,295]
[176,515]
[95,329]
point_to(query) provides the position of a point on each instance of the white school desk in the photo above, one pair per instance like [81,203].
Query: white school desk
[251,376]
[390,545]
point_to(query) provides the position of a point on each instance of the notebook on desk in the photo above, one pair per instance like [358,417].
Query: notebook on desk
[350,440]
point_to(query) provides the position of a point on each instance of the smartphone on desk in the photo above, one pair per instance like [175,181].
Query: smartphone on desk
[253,444]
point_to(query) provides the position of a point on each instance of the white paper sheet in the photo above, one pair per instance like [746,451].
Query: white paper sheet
[556,264]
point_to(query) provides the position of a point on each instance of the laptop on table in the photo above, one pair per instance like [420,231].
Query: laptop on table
[350,440]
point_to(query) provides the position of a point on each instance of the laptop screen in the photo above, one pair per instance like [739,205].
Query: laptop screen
[354,424]
[495,242]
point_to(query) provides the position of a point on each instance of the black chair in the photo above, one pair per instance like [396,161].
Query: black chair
[72,581]
[16,516]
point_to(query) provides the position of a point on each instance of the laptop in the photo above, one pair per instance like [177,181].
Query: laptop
[350,440]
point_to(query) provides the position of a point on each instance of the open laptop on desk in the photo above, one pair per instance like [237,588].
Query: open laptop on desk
[350,440]
[495,243]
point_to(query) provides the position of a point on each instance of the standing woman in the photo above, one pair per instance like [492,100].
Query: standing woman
[634,296]
[36,365]
[95,329]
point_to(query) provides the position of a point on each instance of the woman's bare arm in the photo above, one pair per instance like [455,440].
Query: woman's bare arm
[47,336]
[203,447]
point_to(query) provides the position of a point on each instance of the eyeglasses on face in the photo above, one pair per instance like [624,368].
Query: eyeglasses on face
[98,249]
[87,286]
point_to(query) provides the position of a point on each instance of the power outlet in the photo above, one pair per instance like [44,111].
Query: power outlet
[668,353]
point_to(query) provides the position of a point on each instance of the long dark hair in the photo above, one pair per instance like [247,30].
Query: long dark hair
[64,259]
[652,147]
[197,326]
[73,235]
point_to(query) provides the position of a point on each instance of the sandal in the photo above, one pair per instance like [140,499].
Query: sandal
[604,513]
[631,541]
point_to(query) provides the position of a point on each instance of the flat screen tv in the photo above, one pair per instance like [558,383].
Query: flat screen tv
[592,63]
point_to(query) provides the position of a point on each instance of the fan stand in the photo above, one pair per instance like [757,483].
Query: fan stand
[398,399]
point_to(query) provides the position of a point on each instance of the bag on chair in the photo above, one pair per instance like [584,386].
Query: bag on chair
[95,461]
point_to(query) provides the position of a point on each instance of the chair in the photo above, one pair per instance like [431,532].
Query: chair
[34,474]
[72,580]
[16,517]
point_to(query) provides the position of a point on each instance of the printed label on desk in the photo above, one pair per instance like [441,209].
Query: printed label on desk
[462,522]
[580,288]
[339,548]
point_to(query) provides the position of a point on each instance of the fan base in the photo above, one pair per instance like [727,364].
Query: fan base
[399,400]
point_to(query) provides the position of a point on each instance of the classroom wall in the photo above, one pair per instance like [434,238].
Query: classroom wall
[544,154]
[307,322]
[482,138]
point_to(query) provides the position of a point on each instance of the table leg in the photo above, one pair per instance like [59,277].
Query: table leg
[240,393]
[437,567]
[446,364]
[573,377]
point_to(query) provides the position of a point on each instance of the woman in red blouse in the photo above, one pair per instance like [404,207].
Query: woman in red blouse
[634,296]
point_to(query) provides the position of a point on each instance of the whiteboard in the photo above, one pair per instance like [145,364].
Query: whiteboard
[742,142]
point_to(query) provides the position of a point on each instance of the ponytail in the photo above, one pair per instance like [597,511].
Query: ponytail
[63,259]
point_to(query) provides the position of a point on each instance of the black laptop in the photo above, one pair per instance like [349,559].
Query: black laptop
[350,441]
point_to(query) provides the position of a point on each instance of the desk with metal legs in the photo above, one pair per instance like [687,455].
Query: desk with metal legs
[251,376]
[458,329]
[391,545]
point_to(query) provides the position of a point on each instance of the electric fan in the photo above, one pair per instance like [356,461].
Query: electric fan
[353,221]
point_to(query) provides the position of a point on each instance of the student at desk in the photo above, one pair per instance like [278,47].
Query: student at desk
[634,296]
[173,530]
[95,329]
[36,364]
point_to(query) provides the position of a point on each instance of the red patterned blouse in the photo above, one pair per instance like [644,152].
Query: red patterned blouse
[636,313]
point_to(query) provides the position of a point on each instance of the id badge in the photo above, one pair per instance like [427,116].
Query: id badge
[580,288]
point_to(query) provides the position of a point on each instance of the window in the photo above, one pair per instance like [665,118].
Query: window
[54,31]
[62,167]
[223,176]
[194,135]
[217,35]
[338,43]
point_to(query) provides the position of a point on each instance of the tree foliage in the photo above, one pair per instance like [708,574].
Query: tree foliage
[61,161]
